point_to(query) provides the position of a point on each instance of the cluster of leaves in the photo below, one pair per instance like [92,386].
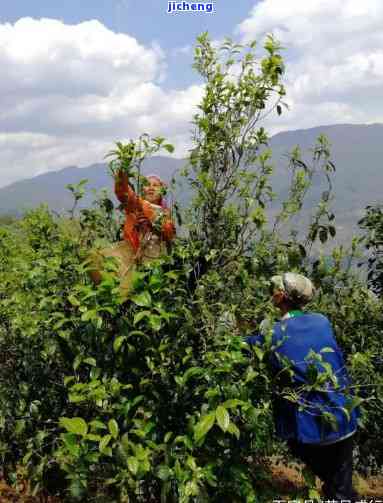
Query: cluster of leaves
[117,400]
[128,157]
[158,398]
[372,224]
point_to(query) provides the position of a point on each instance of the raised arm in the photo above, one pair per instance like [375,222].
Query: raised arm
[124,191]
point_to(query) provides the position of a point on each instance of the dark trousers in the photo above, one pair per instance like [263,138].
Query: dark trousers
[332,464]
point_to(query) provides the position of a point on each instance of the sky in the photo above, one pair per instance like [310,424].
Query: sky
[77,76]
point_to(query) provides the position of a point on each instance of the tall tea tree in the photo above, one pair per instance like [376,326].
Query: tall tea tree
[230,162]
[372,225]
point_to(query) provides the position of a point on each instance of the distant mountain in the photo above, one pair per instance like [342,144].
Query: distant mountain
[357,151]
[50,188]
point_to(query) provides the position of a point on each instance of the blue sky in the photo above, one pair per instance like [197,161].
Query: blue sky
[146,20]
[79,75]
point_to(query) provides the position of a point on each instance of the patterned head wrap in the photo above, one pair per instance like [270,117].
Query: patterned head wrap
[297,287]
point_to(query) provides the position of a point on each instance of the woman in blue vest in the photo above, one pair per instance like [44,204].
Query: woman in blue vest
[312,409]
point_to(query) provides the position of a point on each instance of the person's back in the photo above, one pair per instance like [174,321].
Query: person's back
[308,344]
[312,404]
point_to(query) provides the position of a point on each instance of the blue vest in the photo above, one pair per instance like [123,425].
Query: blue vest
[294,338]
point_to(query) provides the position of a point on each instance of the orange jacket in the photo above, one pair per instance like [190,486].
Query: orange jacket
[135,207]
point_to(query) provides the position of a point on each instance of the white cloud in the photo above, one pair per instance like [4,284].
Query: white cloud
[69,91]
[334,56]
[182,51]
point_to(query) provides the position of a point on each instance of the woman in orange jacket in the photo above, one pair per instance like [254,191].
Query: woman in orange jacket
[148,225]
[148,229]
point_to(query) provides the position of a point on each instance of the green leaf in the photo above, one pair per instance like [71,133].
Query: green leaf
[203,426]
[133,464]
[104,443]
[191,372]
[142,299]
[77,362]
[97,425]
[346,413]
[327,350]
[113,428]
[27,457]
[136,332]
[164,472]
[68,379]
[258,351]
[314,494]
[75,425]
[169,148]
[191,489]
[232,428]
[76,398]
[72,299]
[155,322]
[223,418]
[89,315]
[331,420]
[355,402]
[139,316]
[77,490]
[137,279]
[118,341]
[90,361]
[250,375]
[71,443]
